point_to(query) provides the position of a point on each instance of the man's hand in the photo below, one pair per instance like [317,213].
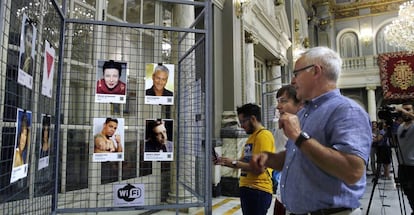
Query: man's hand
[290,125]
[118,143]
[224,161]
[404,112]
[258,163]
[217,160]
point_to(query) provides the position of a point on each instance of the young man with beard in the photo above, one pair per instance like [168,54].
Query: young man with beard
[255,189]
[405,135]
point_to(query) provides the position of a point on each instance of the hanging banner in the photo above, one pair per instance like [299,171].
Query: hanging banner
[397,76]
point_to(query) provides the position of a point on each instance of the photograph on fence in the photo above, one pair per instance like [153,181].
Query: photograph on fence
[21,145]
[111,82]
[159,145]
[48,70]
[159,84]
[44,140]
[108,139]
[27,53]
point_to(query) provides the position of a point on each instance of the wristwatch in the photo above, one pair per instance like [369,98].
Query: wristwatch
[234,163]
[303,136]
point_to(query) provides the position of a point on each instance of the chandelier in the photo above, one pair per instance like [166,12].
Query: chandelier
[400,32]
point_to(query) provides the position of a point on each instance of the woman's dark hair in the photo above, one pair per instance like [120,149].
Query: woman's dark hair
[112,65]
[46,121]
[24,124]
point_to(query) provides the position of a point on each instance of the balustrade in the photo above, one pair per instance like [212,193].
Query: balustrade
[362,64]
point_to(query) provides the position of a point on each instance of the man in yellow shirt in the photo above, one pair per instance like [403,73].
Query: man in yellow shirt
[255,189]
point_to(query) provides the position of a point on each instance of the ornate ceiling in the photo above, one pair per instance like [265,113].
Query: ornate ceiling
[342,9]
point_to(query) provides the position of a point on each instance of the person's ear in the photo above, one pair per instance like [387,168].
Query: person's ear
[253,118]
[316,70]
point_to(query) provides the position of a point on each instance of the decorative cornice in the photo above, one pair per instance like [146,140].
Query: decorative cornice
[275,62]
[249,37]
[343,11]
[348,10]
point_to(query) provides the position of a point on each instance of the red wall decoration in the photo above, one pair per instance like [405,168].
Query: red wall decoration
[397,76]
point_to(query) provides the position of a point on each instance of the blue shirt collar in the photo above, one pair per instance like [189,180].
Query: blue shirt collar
[322,98]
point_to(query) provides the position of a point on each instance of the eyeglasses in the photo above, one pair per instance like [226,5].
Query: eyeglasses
[242,121]
[403,133]
[298,71]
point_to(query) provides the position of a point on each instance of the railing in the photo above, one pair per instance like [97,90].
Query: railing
[364,63]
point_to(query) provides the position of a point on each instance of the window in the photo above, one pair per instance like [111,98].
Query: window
[349,45]
[259,75]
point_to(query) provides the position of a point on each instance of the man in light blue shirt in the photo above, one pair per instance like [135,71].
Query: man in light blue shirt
[329,142]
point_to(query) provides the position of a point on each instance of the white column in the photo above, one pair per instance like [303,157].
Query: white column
[250,40]
[276,72]
[372,107]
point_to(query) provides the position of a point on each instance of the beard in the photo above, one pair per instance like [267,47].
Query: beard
[250,128]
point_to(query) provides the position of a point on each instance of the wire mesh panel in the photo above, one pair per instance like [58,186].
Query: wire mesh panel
[124,109]
[29,56]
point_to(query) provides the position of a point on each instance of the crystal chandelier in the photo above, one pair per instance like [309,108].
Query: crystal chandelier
[400,32]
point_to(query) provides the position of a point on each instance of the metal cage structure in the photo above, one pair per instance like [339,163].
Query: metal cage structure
[56,57]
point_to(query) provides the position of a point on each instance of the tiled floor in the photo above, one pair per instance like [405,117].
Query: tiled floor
[385,201]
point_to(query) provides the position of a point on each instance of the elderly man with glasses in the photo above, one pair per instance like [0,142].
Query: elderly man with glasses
[329,142]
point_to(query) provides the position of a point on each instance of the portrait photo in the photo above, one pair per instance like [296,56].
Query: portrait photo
[111,81]
[108,139]
[48,69]
[45,143]
[22,145]
[159,84]
[159,145]
[27,53]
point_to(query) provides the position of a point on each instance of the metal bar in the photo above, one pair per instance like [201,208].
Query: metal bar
[58,108]
[208,105]
[134,25]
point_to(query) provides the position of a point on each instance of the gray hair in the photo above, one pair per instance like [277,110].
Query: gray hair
[161,67]
[328,59]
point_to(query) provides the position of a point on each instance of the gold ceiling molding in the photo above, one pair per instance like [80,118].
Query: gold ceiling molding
[348,10]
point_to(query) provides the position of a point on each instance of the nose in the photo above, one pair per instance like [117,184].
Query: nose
[243,126]
[279,106]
